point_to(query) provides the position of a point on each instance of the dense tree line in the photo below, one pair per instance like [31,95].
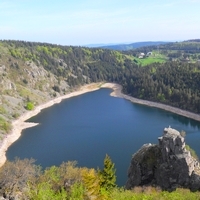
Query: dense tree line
[173,83]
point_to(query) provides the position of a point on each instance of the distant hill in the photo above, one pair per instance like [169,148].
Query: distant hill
[193,40]
[125,47]
[189,46]
[99,45]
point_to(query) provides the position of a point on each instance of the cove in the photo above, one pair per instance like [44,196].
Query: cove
[87,127]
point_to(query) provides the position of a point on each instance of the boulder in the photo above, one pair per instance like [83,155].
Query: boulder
[167,164]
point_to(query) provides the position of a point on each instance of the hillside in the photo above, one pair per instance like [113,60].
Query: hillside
[125,47]
[33,73]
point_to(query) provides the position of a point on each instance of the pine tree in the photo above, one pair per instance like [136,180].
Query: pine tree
[107,175]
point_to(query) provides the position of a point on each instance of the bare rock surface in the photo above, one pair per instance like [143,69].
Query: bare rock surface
[167,164]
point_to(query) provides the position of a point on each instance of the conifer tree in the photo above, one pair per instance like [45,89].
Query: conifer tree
[107,175]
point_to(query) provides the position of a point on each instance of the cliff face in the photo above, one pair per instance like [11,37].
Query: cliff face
[168,164]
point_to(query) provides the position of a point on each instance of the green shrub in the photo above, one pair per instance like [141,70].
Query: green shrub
[4,125]
[192,151]
[15,115]
[44,190]
[77,191]
[2,110]
[141,194]
[29,106]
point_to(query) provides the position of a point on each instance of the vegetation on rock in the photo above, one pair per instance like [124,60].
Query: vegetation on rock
[192,151]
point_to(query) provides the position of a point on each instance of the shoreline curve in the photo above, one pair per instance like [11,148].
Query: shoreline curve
[20,124]
[117,93]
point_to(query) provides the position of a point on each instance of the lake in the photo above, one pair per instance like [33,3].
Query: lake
[87,127]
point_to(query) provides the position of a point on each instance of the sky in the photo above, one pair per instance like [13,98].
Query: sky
[83,22]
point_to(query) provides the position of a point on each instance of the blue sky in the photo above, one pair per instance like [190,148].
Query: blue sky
[80,22]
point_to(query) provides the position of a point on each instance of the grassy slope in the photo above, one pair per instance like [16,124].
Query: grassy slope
[155,57]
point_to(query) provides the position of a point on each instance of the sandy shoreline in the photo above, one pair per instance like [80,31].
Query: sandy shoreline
[20,124]
[117,93]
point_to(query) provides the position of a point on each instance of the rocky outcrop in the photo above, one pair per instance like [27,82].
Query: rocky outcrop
[168,164]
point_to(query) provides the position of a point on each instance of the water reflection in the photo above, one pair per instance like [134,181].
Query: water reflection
[184,120]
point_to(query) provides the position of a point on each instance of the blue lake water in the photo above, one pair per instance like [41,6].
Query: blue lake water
[87,127]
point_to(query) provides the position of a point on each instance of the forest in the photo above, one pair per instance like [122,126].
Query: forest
[174,83]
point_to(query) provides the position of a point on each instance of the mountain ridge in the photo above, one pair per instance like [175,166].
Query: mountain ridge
[135,45]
